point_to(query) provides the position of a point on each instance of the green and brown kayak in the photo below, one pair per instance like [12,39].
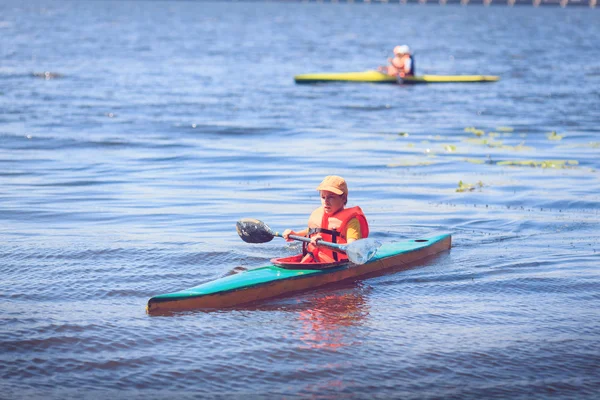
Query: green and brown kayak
[378,77]
[281,278]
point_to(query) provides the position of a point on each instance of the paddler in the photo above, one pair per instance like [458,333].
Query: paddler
[403,63]
[331,222]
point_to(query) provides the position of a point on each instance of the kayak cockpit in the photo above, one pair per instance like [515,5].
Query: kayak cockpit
[295,262]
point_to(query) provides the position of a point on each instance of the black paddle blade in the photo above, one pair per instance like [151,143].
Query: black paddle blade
[254,231]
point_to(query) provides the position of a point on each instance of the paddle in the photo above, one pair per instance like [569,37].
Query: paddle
[254,231]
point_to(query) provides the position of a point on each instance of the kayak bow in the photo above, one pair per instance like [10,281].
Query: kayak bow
[272,281]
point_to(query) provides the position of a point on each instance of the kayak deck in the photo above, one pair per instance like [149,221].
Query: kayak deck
[272,281]
[378,77]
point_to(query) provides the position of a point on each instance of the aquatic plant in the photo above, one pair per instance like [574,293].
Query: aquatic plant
[554,136]
[475,161]
[409,163]
[560,164]
[485,142]
[475,131]
[467,187]
[520,147]
[591,145]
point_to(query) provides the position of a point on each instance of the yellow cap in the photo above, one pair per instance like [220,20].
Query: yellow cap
[335,184]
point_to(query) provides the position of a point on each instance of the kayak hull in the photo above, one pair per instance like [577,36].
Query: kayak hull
[378,77]
[273,281]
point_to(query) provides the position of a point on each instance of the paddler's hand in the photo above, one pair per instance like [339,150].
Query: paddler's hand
[286,234]
[315,238]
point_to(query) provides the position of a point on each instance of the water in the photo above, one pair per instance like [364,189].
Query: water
[160,124]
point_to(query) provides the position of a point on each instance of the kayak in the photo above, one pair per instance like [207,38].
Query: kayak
[378,77]
[286,276]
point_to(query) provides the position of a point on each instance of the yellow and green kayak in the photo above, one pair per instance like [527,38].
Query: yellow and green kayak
[378,77]
[280,279]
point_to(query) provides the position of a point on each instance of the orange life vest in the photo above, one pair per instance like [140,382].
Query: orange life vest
[400,65]
[332,228]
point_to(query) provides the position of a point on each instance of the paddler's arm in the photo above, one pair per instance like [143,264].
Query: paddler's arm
[353,231]
[388,70]
[289,232]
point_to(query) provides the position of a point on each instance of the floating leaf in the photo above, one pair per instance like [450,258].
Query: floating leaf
[475,161]
[591,145]
[520,147]
[450,148]
[467,187]
[554,136]
[475,131]
[485,142]
[540,164]
[403,134]
[409,163]
[504,129]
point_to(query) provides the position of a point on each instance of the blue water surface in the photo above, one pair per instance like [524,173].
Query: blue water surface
[134,134]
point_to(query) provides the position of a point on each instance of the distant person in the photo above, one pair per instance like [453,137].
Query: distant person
[331,222]
[402,65]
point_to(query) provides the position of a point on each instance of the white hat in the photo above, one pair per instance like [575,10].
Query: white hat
[404,49]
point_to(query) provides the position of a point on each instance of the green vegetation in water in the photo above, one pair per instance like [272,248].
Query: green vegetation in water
[503,131]
[475,161]
[554,136]
[591,145]
[558,164]
[490,142]
[403,134]
[409,163]
[520,147]
[450,148]
[467,187]
[475,131]
[485,142]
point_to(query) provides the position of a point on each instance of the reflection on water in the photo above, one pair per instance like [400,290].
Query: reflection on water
[324,324]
